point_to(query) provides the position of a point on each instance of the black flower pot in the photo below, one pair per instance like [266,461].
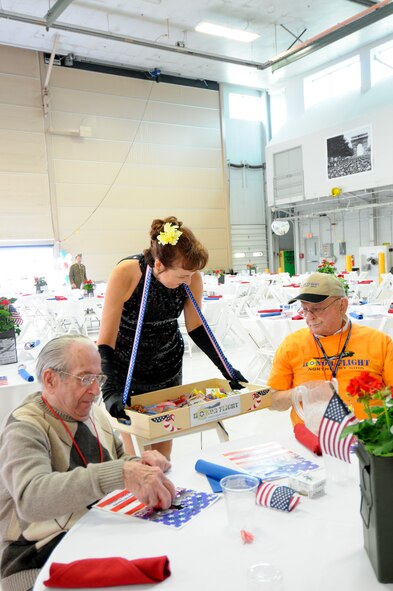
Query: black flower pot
[376,487]
[8,351]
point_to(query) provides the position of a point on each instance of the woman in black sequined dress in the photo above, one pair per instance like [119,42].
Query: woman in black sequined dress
[176,257]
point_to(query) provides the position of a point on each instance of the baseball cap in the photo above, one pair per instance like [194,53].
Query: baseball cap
[317,287]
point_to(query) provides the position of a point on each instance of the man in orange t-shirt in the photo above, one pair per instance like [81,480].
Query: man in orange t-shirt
[331,347]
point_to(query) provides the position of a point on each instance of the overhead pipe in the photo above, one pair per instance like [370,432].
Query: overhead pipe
[350,25]
[57,9]
[51,60]
[31,20]
[337,210]
[45,89]
[343,29]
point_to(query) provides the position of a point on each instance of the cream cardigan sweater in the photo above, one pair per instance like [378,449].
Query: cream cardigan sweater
[44,485]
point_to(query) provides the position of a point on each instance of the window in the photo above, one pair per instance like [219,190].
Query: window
[245,106]
[381,62]
[20,263]
[278,110]
[332,82]
[288,180]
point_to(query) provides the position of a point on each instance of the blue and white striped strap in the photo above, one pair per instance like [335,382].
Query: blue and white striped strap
[210,334]
[142,309]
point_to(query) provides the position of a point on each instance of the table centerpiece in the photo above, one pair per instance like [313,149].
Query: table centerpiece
[88,288]
[8,330]
[375,454]
[41,284]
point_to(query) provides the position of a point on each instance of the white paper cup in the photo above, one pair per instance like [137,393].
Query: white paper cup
[240,499]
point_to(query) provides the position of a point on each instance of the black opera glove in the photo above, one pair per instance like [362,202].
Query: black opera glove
[202,340]
[110,390]
[235,382]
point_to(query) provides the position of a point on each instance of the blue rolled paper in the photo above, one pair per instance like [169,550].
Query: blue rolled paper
[270,314]
[355,315]
[25,375]
[32,344]
[214,473]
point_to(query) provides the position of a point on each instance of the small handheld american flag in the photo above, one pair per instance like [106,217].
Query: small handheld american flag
[336,417]
[16,317]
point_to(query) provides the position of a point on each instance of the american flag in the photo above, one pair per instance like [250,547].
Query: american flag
[277,497]
[336,417]
[16,317]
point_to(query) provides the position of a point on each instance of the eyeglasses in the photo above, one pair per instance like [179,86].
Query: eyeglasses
[315,311]
[88,379]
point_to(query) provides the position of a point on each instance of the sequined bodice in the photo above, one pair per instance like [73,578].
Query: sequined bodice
[160,350]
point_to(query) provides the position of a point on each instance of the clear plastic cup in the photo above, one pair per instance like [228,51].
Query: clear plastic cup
[240,499]
[264,577]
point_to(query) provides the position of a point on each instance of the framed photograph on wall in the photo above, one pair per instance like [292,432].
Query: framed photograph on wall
[349,153]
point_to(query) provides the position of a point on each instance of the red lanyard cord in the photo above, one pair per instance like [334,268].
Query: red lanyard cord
[70,434]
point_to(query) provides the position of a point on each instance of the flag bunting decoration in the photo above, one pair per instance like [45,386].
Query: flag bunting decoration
[277,497]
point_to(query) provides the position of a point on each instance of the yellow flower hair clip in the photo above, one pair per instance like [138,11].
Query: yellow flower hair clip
[169,235]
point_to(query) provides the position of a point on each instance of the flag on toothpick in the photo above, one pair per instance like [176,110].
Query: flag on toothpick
[16,317]
[336,417]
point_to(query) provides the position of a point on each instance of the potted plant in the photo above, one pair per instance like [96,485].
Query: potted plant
[375,453]
[329,267]
[88,287]
[220,274]
[8,329]
[40,284]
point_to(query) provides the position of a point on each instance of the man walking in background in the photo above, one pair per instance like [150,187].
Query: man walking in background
[77,273]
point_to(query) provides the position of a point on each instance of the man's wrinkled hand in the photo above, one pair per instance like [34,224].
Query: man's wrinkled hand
[149,484]
[152,457]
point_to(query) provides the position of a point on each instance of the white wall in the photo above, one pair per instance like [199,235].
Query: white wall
[151,150]
[310,129]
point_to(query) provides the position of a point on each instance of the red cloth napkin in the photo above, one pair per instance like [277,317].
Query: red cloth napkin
[365,282]
[108,572]
[60,298]
[307,438]
[268,311]
[297,317]
[390,311]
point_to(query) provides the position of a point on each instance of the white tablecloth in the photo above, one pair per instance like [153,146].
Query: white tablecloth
[17,389]
[317,546]
[276,328]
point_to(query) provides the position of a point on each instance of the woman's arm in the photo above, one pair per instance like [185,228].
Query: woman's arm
[191,317]
[121,285]
[199,335]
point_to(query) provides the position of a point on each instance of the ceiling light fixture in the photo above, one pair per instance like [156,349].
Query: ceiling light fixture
[219,31]
[280,227]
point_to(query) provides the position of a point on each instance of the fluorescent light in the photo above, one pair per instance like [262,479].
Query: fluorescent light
[239,255]
[257,254]
[226,32]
